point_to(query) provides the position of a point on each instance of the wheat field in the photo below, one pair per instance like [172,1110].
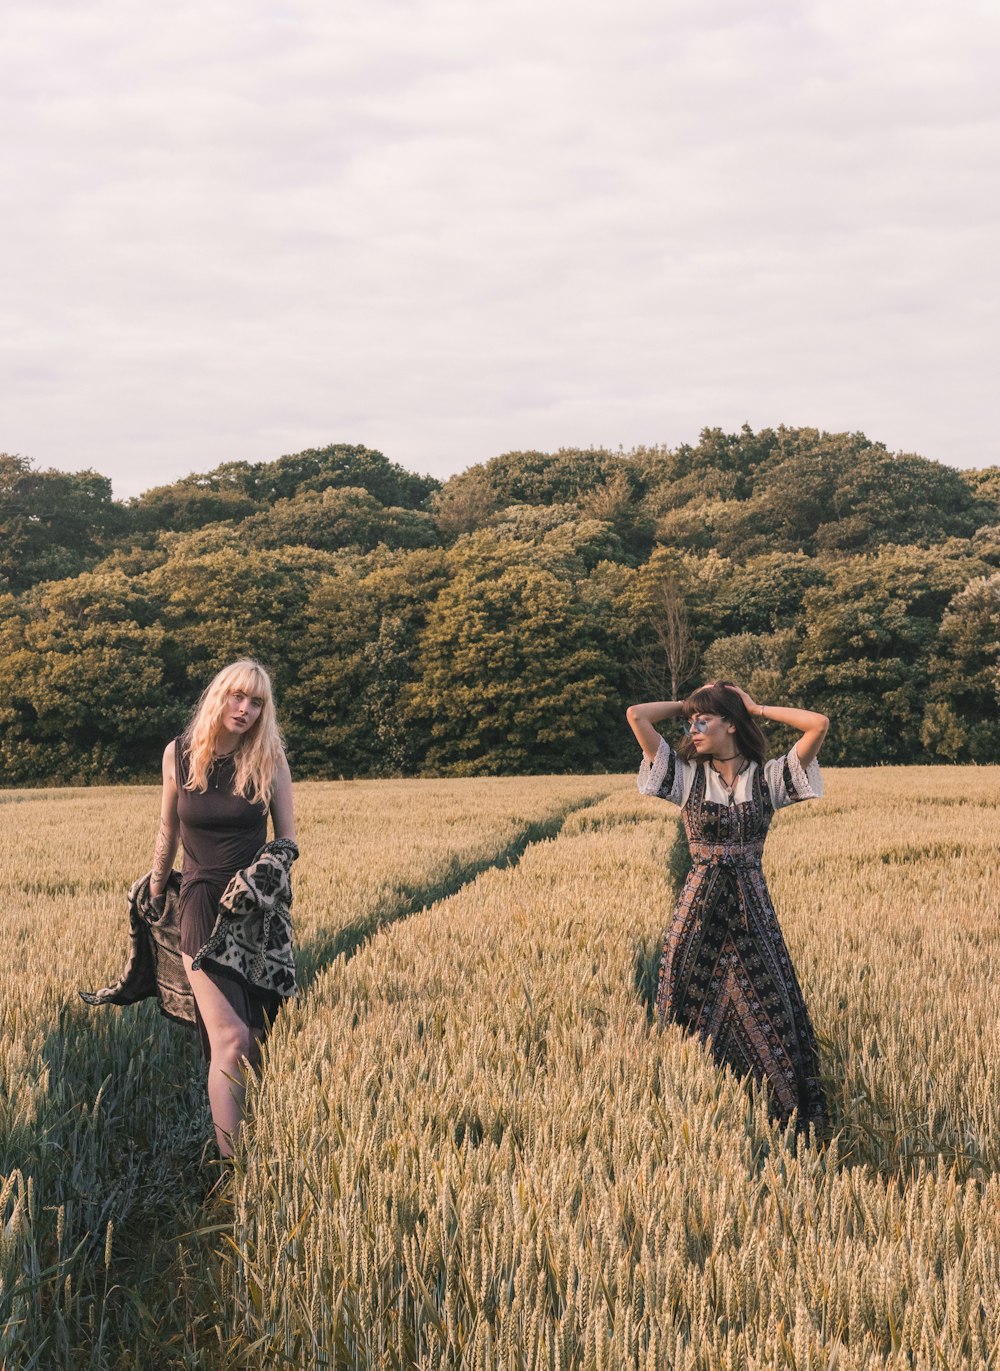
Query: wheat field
[470,1145]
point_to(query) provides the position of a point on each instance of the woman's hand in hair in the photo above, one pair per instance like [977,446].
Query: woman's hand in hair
[751,705]
[811,724]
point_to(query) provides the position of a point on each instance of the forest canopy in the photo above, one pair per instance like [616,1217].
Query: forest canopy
[502,620]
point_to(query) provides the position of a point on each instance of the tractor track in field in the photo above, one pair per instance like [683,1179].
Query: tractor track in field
[319,953]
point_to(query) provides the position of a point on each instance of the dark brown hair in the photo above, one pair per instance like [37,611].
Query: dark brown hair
[719,697]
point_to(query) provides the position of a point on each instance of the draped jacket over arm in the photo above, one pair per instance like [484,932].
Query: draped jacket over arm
[251,940]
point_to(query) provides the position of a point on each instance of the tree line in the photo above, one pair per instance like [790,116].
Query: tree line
[501,620]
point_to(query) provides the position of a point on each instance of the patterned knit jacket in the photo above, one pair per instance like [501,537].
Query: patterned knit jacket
[153,965]
[252,937]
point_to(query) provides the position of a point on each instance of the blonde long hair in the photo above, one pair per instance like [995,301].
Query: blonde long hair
[258,751]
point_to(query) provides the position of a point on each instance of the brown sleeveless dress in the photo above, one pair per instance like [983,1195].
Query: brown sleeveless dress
[221,833]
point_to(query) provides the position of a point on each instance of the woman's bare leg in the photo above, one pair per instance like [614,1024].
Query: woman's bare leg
[231,1040]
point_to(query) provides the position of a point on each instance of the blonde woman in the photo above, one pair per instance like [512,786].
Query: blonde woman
[221,779]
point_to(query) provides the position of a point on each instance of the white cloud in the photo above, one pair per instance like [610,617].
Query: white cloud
[447,230]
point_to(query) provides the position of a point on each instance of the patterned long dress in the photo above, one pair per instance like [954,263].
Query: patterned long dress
[726,974]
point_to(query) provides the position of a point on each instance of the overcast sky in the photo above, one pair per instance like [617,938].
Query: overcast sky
[450,228]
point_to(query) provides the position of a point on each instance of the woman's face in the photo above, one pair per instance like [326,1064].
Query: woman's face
[712,735]
[241,712]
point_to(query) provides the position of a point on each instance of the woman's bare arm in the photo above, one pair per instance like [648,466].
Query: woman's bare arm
[811,725]
[641,719]
[170,828]
[282,811]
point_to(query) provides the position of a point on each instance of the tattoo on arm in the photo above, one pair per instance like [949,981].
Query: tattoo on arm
[163,857]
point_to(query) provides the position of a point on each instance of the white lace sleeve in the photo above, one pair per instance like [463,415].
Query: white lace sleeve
[789,781]
[665,777]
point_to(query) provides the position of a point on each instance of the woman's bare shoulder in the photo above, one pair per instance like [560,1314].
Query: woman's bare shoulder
[169,756]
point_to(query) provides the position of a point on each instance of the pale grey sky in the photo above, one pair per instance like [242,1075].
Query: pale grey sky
[445,230]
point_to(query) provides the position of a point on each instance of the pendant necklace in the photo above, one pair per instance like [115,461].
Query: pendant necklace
[730,789]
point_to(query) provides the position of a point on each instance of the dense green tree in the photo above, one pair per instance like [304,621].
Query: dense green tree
[985,544]
[464,503]
[620,504]
[548,478]
[82,682]
[187,505]
[234,602]
[701,525]
[896,499]
[340,464]
[985,486]
[237,490]
[870,630]
[760,662]
[513,675]
[822,491]
[53,524]
[803,490]
[554,536]
[606,598]
[338,517]
[765,594]
[362,622]
[721,466]
[962,720]
[794,492]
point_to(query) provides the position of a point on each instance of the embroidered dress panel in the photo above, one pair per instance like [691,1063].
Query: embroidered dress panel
[726,973]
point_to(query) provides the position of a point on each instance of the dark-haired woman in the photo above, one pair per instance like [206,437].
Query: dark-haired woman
[726,973]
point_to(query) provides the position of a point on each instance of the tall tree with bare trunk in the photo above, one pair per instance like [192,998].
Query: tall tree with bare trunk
[668,655]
